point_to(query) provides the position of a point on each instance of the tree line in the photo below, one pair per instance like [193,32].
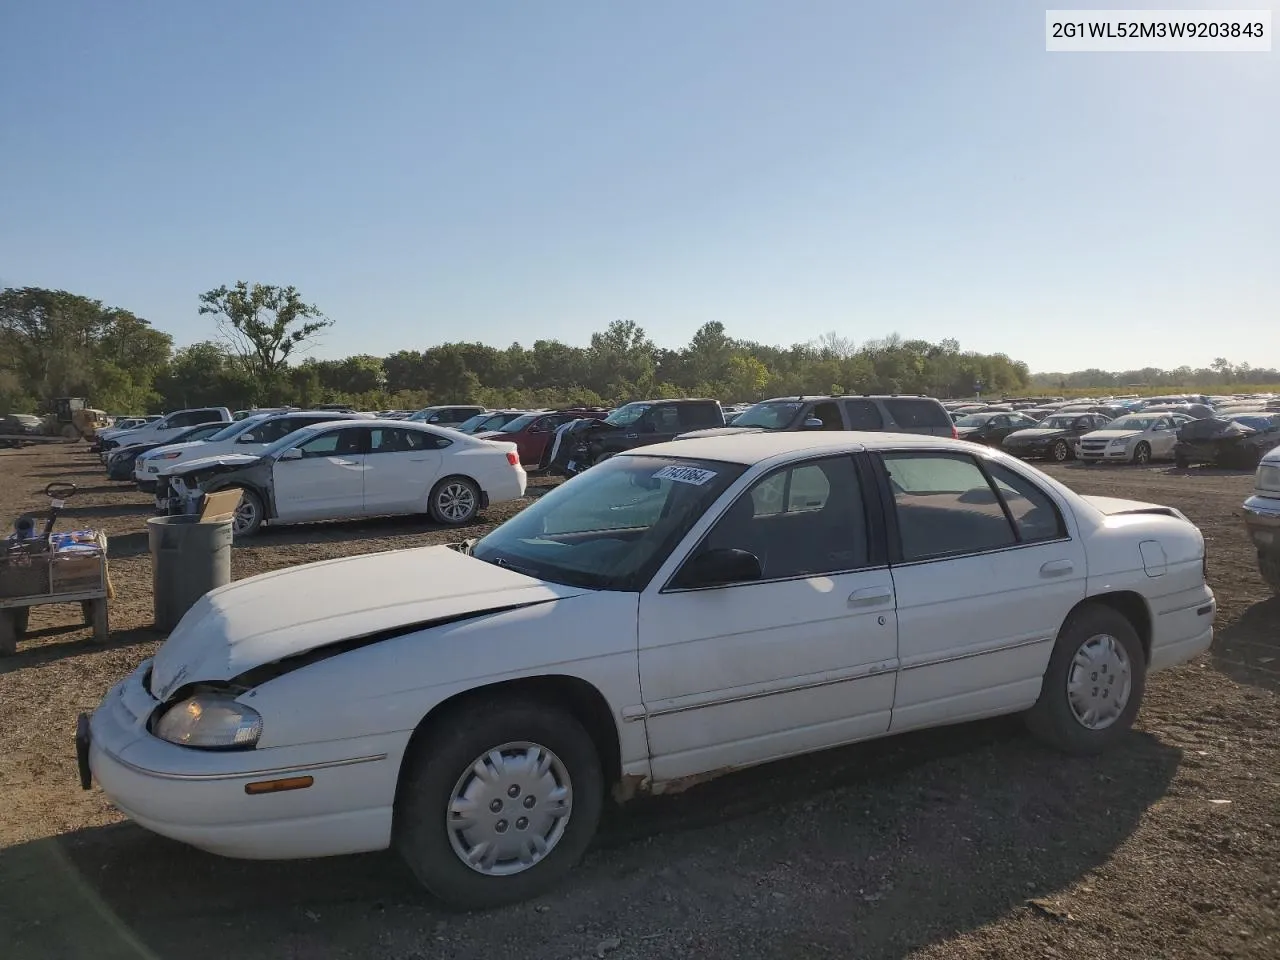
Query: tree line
[54,343]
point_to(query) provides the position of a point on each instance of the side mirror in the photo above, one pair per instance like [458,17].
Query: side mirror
[535,429]
[813,423]
[293,453]
[720,566]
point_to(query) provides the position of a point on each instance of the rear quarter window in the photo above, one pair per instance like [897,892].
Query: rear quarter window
[693,415]
[917,412]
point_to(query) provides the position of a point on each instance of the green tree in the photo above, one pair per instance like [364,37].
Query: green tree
[264,326]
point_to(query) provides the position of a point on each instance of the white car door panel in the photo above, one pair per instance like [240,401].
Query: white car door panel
[328,482]
[804,659]
[979,606]
[401,467]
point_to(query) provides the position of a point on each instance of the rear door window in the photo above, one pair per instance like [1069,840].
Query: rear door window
[945,506]
[917,412]
[863,415]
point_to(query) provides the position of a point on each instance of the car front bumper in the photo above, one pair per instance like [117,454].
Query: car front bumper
[1262,520]
[199,796]
[1117,455]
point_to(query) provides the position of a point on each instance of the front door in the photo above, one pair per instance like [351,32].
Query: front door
[327,482]
[802,659]
[986,567]
[400,468]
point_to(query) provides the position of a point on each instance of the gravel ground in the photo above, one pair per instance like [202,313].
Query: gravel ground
[966,842]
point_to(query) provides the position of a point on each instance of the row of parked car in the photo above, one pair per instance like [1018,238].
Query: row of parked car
[1228,432]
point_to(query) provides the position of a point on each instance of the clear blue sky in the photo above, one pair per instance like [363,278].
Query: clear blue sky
[429,171]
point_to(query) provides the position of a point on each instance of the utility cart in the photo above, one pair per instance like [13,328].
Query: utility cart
[53,568]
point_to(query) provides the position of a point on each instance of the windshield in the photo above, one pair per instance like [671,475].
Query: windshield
[974,420]
[626,414]
[519,423]
[1129,423]
[770,415]
[611,527]
[237,428]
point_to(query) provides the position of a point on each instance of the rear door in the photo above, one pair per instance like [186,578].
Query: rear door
[863,414]
[986,566]
[327,482]
[400,468]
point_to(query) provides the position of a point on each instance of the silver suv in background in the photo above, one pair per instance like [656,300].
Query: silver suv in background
[1262,518]
[882,414]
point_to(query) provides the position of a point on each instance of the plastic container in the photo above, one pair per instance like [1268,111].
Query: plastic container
[189,557]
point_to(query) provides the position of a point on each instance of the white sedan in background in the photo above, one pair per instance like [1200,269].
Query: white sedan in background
[678,611]
[1133,438]
[250,435]
[343,469]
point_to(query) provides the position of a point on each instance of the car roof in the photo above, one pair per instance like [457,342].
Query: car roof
[750,448]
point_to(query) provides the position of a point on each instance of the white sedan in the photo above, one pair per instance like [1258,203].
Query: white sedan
[344,469]
[682,610]
[1136,438]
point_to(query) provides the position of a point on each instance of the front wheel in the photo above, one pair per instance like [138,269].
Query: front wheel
[1142,454]
[497,802]
[247,520]
[1060,452]
[455,501]
[1181,462]
[1093,686]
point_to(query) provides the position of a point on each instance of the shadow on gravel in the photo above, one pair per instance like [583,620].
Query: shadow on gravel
[871,851]
[59,474]
[29,657]
[107,510]
[1248,651]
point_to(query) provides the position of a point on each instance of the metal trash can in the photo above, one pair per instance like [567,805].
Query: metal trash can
[189,557]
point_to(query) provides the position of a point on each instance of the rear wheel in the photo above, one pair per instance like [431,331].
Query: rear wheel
[455,501]
[1142,454]
[1093,685]
[1181,462]
[498,802]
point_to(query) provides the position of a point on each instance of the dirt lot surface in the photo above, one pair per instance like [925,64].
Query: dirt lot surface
[966,842]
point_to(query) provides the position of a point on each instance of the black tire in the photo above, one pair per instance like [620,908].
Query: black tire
[249,515]
[1060,452]
[1181,462]
[454,501]
[1142,454]
[1269,568]
[1053,719]
[444,754]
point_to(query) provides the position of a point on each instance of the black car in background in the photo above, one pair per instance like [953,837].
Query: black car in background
[991,428]
[1238,440]
[891,414]
[1054,437]
[632,425]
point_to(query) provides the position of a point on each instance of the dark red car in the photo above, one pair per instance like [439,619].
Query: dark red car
[533,433]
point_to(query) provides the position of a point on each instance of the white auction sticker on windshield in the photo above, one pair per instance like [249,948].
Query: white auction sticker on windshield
[695,475]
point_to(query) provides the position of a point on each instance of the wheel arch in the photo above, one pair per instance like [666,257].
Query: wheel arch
[581,699]
[1129,604]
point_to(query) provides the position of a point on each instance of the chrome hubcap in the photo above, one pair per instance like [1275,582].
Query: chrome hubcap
[509,809]
[456,501]
[1142,455]
[245,514]
[1099,682]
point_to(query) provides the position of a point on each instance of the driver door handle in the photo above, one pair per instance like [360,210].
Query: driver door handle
[870,597]
[633,436]
[1057,568]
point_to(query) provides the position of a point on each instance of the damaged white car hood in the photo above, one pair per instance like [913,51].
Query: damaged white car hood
[276,615]
[203,463]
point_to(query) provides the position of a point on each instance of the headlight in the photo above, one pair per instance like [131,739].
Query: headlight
[167,456]
[210,720]
[1268,481]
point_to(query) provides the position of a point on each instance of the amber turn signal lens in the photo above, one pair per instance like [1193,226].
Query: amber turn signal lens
[275,786]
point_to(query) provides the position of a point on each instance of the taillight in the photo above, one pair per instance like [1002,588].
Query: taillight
[512,458]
